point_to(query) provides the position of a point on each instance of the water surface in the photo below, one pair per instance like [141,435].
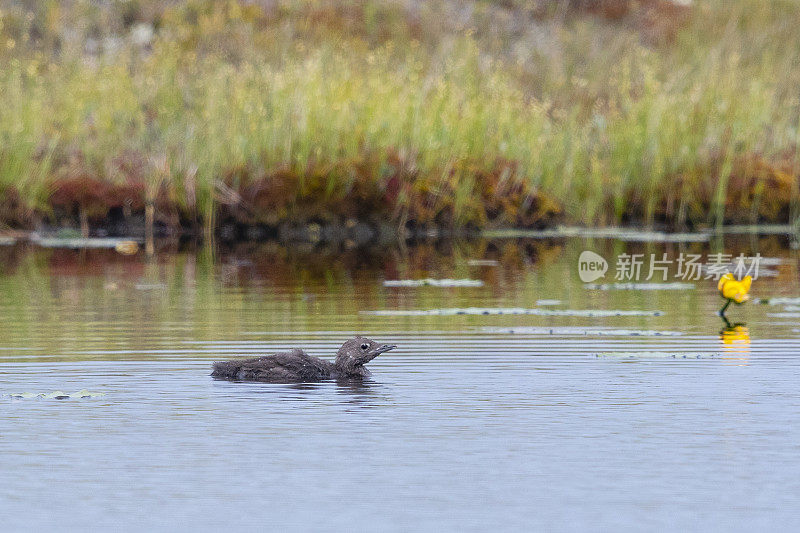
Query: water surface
[512,421]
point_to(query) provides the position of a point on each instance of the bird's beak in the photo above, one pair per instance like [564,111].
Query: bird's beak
[379,350]
[384,348]
[372,354]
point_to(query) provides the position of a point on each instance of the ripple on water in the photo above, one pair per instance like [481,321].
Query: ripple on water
[468,409]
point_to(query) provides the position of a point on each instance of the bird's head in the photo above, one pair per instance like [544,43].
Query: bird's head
[358,351]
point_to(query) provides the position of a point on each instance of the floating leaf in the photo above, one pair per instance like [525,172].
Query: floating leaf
[677,286]
[56,395]
[779,301]
[78,242]
[593,313]
[429,282]
[483,262]
[566,331]
[659,355]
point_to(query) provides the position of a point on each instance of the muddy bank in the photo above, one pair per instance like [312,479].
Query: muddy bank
[371,199]
[348,232]
[383,198]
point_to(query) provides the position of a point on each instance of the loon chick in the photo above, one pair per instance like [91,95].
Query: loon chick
[297,366]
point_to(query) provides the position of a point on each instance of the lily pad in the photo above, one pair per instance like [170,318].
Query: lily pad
[658,355]
[429,282]
[592,313]
[24,396]
[567,331]
[779,301]
[771,261]
[78,242]
[56,395]
[677,286]
[622,234]
[150,286]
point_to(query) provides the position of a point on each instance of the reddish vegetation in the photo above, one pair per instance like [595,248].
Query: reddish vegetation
[509,201]
[388,190]
[392,190]
[757,191]
[760,191]
[657,20]
[77,189]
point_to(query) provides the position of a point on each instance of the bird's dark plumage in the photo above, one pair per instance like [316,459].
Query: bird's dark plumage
[297,366]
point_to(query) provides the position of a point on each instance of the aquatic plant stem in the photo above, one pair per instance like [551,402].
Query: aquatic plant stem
[724,308]
[84,218]
[149,212]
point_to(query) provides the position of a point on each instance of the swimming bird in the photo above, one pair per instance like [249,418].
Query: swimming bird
[297,366]
[733,290]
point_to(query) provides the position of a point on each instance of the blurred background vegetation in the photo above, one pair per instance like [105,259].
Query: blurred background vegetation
[500,113]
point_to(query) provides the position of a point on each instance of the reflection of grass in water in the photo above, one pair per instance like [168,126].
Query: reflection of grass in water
[62,301]
[318,104]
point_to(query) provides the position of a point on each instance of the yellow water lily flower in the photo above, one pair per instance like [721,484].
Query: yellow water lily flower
[734,290]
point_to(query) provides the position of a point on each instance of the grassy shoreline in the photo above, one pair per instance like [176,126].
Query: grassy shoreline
[204,114]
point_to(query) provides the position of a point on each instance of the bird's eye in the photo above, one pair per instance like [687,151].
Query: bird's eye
[364,346]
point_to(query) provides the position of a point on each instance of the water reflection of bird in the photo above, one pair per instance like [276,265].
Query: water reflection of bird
[733,290]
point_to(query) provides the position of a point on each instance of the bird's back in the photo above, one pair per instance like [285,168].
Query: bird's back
[284,367]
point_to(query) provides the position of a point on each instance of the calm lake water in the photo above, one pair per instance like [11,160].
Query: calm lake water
[546,421]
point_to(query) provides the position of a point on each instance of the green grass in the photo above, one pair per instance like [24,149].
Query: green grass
[372,110]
